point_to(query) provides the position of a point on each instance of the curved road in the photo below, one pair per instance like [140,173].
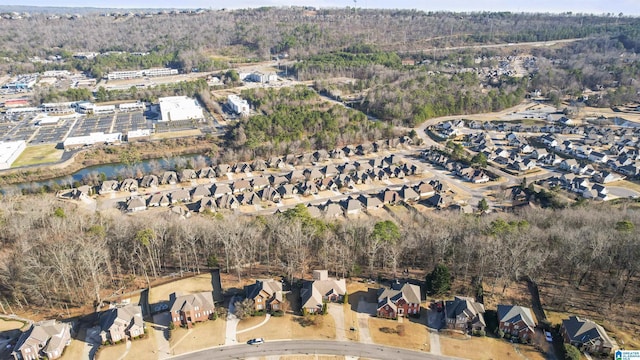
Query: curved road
[310,347]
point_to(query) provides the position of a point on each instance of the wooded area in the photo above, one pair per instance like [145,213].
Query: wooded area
[55,254]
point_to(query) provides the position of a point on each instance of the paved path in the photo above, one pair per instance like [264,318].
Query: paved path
[266,318]
[337,313]
[161,331]
[434,338]
[232,325]
[126,351]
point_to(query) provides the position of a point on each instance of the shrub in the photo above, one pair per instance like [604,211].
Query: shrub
[387,330]
[278,313]
[479,333]
[400,330]
[345,299]
[571,352]
[500,333]
[172,326]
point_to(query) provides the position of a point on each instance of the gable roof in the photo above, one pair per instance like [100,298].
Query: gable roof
[202,300]
[466,306]
[584,331]
[409,292]
[269,286]
[514,313]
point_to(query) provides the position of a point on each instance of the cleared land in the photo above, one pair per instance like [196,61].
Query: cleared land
[290,327]
[174,134]
[487,348]
[202,336]
[40,154]
[388,332]
[190,285]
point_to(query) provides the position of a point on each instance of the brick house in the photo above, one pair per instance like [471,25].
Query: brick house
[321,289]
[516,321]
[266,295]
[192,308]
[121,323]
[399,300]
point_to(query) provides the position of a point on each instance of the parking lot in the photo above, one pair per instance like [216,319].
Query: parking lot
[49,134]
[126,122]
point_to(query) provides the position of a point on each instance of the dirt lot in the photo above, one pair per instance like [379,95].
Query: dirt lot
[285,327]
[6,325]
[487,349]
[190,285]
[415,335]
[202,336]
[40,154]
[140,349]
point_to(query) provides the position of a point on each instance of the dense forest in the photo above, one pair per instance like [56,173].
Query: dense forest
[87,255]
[186,41]
[293,120]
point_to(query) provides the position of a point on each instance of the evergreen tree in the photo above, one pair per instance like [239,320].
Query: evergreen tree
[439,280]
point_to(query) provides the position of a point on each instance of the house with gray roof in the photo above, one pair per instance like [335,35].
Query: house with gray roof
[206,173]
[169,178]
[121,323]
[187,175]
[180,195]
[149,181]
[320,290]
[464,314]
[46,338]
[586,335]
[189,309]
[259,182]
[199,192]
[206,203]
[398,300]
[130,185]
[517,321]
[218,190]
[135,204]
[108,186]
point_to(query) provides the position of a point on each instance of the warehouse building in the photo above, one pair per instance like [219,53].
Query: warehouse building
[93,138]
[263,78]
[239,105]
[9,152]
[58,108]
[135,74]
[136,106]
[179,108]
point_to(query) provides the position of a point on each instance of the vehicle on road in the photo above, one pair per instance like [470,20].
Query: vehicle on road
[256,341]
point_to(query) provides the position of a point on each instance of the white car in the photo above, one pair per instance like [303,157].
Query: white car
[547,335]
[256,341]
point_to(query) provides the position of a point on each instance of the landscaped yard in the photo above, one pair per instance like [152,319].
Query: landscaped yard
[40,154]
[141,349]
[487,348]
[249,322]
[386,332]
[293,327]
[202,336]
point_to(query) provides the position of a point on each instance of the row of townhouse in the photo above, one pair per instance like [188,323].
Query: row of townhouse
[467,173]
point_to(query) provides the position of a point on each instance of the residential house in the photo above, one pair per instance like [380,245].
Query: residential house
[218,190]
[314,211]
[287,191]
[329,171]
[130,185]
[586,335]
[606,177]
[259,182]
[121,323]
[278,180]
[43,339]
[539,154]
[517,321]
[464,314]
[206,173]
[187,175]
[321,155]
[222,169]
[206,203]
[240,186]
[227,201]
[398,300]
[108,186]
[408,194]
[439,201]
[598,157]
[270,194]
[135,204]
[192,308]
[308,188]
[321,289]
[169,178]
[424,190]
[249,198]
[259,165]
[312,174]
[266,295]
[570,165]
[149,181]
[390,196]
[200,192]
[180,195]
[370,202]
[295,176]
[332,210]
[351,206]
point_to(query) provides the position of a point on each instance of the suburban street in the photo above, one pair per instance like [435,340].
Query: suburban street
[310,347]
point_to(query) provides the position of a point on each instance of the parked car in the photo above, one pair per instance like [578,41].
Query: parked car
[547,335]
[256,341]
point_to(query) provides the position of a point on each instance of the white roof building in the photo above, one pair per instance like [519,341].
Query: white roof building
[178,108]
[238,105]
[91,139]
[9,152]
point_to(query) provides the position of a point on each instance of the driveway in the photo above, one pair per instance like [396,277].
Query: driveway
[435,320]
[93,341]
[365,311]
[161,331]
[232,324]
[337,313]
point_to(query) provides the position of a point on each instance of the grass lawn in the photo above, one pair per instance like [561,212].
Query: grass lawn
[350,320]
[249,322]
[415,337]
[289,327]
[141,349]
[174,134]
[6,325]
[202,336]
[486,348]
[40,154]
[190,285]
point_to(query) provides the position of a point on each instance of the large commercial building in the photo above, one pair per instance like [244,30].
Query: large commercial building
[179,108]
[93,138]
[239,105]
[58,108]
[262,77]
[135,74]
[9,152]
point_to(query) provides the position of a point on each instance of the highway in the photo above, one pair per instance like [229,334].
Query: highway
[311,347]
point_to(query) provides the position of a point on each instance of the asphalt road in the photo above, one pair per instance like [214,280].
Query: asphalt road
[311,347]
